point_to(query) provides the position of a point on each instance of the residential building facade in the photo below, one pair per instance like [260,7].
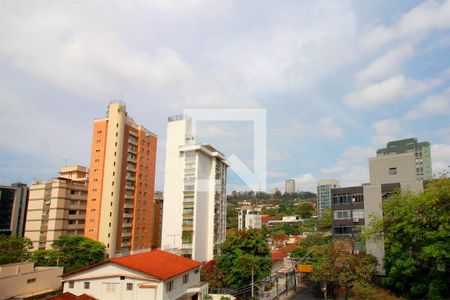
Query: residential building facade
[121,183]
[421,151]
[324,187]
[248,218]
[353,207]
[13,208]
[57,207]
[194,214]
[154,275]
[289,186]
[24,281]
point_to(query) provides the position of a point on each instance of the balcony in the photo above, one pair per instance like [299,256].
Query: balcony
[131,168]
[128,205]
[130,159]
[187,227]
[129,196]
[129,187]
[130,178]
[132,141]
[126,244]
[127,216]
[186,246]
[126,234]
[131,150]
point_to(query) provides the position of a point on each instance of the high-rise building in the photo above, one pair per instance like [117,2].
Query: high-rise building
[120,208]
[421,151]
[248,218]
[13,206]
[353,207]
[324,187]
[57,207]
[289,186]
[194,222]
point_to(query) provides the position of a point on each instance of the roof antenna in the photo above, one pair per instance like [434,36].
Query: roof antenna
[65,161]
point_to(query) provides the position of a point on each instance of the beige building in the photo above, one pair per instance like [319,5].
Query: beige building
[57,207]
[23,280]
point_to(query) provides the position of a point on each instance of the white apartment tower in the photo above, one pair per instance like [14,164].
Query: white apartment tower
[194,214]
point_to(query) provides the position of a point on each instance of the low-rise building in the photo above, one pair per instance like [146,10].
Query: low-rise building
[248,218]
[23,280]
[154,275]
[285,220]
[353,207]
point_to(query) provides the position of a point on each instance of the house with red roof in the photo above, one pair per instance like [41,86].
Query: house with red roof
[154,275]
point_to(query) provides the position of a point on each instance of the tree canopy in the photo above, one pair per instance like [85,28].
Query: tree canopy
[416,229]
[72,252]
[14,249]
[242,252]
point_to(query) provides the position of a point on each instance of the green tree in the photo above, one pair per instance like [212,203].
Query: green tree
[14,249]
[325,222]
[71,252]
[242,253]
[416,229]
[335,265]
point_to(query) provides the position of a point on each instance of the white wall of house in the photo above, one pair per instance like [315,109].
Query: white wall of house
[110,281]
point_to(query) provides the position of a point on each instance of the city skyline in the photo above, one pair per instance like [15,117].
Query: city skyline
[338,81]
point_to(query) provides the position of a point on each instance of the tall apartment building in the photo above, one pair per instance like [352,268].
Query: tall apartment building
[120,208]
[248,218]
[13,207]
[157,220]
[421,151]
[324,187]
[57,207]
[353,207]
[194,215]
[289,186]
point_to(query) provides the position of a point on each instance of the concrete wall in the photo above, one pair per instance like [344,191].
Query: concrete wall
[405,165]
[43,280]
[173,186]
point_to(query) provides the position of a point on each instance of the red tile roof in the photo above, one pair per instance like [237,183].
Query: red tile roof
[70,296]
[288,248]
[157,263]
[278,256]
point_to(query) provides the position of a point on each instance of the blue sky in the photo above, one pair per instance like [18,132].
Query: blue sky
[337,79]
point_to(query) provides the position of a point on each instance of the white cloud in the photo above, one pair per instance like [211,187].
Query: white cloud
[359,152]
[390,90]
[433,105]
[327,127]
[276,174]
[387,65]
[306,182]
[412,26]
[440,157]
[385,131]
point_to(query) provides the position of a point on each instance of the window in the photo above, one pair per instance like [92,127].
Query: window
[358,214]
[185,278]
[196,271]
[392,171]
[129,286]
[87,285]
[109,287]
[71,284]
[169,286]
[122,277]
[72,192]
[343,230]
[341,214]
[72,212]
[31,280]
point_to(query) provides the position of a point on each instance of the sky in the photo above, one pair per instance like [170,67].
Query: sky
[337,79]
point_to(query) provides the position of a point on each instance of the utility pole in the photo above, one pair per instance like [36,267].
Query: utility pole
[253,293]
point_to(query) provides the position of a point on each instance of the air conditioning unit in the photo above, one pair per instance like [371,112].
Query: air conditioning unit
[355,252]
[355,220]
